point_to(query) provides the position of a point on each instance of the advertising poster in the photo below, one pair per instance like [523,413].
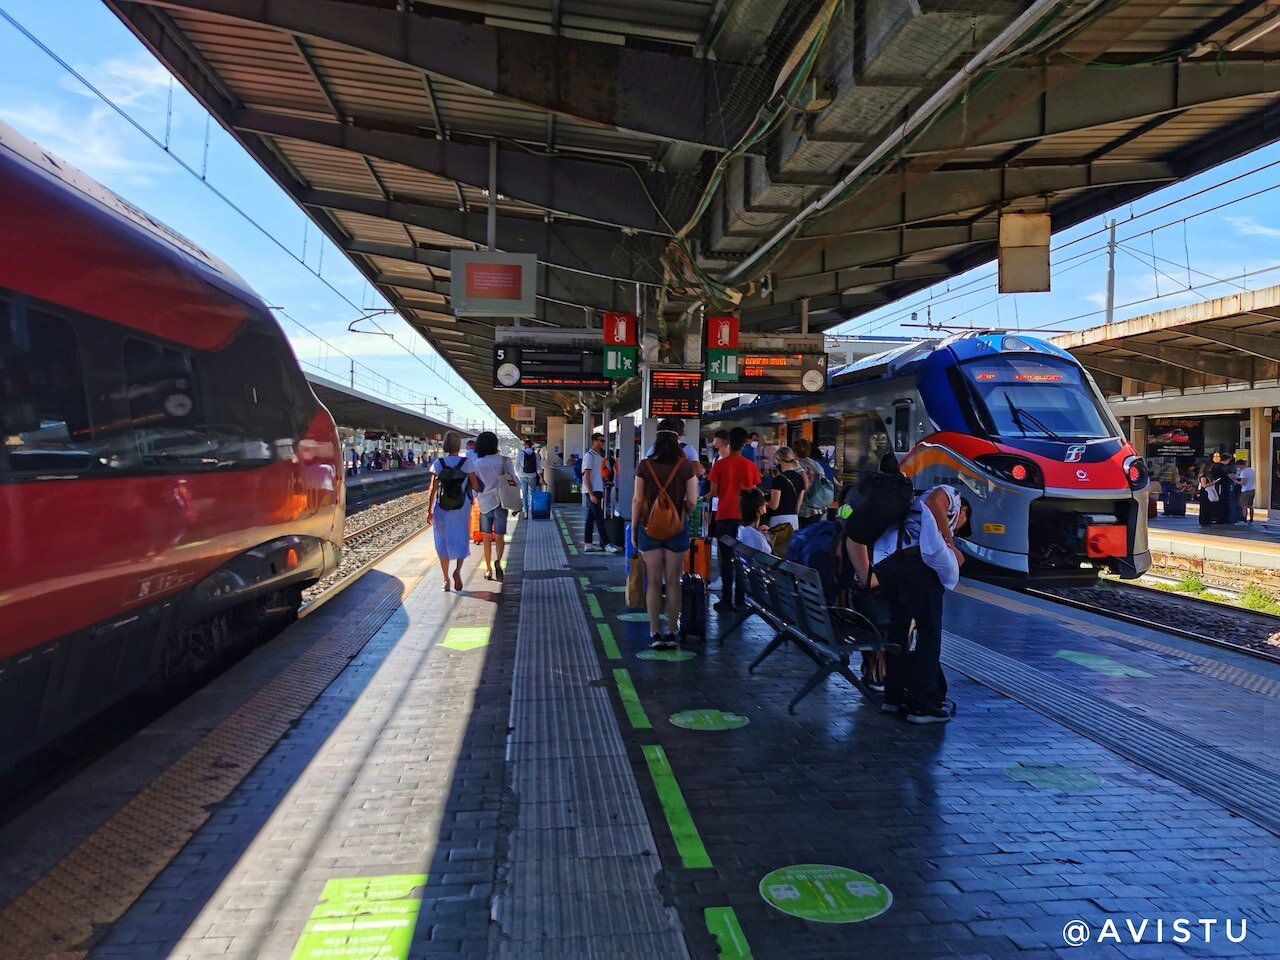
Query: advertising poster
[1175,437]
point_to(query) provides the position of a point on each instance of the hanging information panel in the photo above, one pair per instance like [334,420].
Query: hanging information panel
[553,367]
[777,373]
[486,284]
[673,393]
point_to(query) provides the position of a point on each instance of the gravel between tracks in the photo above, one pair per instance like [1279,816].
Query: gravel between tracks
[370,545]
[1232,625]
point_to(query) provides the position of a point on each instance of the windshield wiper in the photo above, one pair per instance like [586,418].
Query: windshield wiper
[1019,415]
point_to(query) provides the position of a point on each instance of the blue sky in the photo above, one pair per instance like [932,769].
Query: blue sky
[48,105]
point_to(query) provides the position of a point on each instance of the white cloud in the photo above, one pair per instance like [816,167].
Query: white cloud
[138,81]
[1249,227]
[95,140]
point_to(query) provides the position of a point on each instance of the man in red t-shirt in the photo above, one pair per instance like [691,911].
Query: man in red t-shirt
[729,477]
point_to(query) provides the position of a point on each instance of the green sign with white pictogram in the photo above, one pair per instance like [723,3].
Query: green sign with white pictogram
[708,720]
[1053,776]
[619,362]
[722,364]
[826,894]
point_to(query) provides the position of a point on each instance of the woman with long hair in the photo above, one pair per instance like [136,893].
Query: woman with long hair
[667,469]
[453,485]
[789,486]
[491,467]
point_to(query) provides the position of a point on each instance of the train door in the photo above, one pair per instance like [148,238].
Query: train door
[902,432]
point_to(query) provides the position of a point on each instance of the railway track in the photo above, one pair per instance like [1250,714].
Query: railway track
[1215,624]
[366,544]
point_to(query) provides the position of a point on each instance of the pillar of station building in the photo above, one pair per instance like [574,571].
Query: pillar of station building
[1260,458]
[554,452]
[626,481]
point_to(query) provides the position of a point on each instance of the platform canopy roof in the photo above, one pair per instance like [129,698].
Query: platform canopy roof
[742,154]
[1228,344]
[362,411]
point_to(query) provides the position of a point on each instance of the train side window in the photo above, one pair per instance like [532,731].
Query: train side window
[253,416]
[902,426]
[165,414]
[44,413]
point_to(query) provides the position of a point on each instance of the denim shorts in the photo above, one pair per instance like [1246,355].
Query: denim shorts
[495,521]
[679,543]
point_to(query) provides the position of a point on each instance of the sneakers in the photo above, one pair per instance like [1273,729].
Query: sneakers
[941,714]
[612,548]
[888,707]
[590,548]
[723,606]
[662,641]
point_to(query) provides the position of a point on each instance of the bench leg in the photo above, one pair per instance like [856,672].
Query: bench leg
[735,626]
[774,644]
[819,676]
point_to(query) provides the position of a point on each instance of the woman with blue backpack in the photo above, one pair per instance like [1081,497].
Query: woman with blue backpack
[453,486]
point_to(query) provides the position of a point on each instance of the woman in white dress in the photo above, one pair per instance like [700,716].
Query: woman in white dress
[453,486]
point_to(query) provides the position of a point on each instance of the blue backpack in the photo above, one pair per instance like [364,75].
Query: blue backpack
[815,547]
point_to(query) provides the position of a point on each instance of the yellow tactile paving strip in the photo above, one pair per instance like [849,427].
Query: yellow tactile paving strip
[1208,539]
[95,883]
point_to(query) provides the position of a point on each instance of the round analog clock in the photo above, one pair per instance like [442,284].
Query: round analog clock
[508,374]
[813,380]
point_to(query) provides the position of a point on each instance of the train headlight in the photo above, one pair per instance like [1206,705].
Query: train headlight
[1019,470]
[1135,471]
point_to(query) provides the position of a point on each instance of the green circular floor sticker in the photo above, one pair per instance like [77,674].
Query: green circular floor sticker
[1053,776]
[826,894]
[673,655]
[640,617]
[708,720]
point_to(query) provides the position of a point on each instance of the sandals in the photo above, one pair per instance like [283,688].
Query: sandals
[488,575]
[497,571]
[457,581]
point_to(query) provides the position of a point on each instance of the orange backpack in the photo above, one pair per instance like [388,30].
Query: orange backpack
[664,519]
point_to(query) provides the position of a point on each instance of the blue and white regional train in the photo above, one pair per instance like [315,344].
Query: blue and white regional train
[1014,422]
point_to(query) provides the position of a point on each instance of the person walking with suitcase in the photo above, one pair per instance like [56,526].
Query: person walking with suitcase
[593,467]
[530,464]
[493,470]
[665,492]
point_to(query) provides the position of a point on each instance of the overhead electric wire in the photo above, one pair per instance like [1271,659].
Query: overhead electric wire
[115,107]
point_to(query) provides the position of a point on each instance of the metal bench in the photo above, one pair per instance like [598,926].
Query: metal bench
[790,599]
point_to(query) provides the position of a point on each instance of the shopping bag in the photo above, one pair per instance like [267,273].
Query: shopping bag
[635,584]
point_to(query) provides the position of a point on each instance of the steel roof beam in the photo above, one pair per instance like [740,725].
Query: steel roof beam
[1162,374]
[1267,348]
[1091,98]
[1238,368]
[586,249]
[611,193]
[662,95]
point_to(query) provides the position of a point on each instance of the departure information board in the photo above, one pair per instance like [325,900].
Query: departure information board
[674,393]
[777,373]
[552,367]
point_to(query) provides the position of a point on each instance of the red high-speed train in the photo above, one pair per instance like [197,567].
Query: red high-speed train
[168,481]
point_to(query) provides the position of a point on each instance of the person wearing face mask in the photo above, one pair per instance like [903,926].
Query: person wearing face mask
[749,450]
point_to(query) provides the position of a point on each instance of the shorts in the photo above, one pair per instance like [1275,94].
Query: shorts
[1246,498]
[679,543]
[494,522]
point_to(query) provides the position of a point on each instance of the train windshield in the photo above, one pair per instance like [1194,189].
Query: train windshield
[1044,397]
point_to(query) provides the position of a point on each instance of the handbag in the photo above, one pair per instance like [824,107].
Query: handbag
[509,492]
[780,538]
[635,584]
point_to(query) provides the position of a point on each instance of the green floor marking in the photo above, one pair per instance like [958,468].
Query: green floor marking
[631,700]
[363,917]
[1054,776]
[606,640]
[594,606]
[692,853]
[586,582]
[613,589]
[708,720]
[672,656]
[573,551]
[1100,664]
[825,894]
[722,923]
[640,617]
[466,638]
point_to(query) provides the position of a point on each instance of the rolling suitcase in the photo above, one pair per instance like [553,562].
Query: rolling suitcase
[693,608]
[475,522]
[698,559]
[540,501]
[616,527]
[1175,505]
[1151,508]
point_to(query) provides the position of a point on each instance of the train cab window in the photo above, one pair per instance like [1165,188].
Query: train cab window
[165,416]
[44,414]
[1042,397]
[254,415]
[902,426]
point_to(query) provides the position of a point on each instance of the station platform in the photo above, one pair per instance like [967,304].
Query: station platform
[371,478]
[509,773]
[1251,545]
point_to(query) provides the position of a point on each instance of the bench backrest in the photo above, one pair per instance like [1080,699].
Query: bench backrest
[811,599]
